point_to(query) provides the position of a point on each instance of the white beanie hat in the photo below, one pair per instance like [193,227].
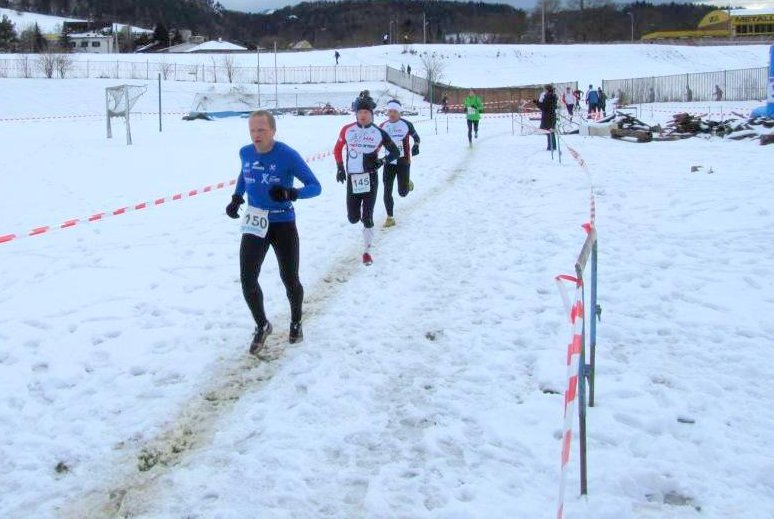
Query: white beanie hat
[394,104]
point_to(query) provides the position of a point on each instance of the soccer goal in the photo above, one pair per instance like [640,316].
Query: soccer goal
[119,101]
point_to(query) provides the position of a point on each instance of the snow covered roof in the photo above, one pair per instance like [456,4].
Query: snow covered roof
[89,35]
[216,46]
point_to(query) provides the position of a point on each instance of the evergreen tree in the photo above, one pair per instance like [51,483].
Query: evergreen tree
[7,33]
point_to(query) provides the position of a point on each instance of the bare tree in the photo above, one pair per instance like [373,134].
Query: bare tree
[165,68]
[64,63]
[47,63]
[214,70]
[228,66]
[24,66]
[434,66]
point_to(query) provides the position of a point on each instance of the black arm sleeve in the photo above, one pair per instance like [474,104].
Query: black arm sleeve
[413,132]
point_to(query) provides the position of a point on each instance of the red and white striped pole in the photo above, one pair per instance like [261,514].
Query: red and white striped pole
[576,314]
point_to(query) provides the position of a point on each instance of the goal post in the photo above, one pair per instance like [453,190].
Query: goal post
[119,101]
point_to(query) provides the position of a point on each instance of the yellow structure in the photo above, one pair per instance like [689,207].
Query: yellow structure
[725,24]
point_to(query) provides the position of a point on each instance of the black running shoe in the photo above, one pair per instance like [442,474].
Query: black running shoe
[259,338]
[296,333]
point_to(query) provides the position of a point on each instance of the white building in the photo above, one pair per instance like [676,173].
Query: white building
[91,42]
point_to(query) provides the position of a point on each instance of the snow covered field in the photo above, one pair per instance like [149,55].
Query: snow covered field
[427,383]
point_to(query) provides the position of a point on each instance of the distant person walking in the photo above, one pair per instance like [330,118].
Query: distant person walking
[718,93]
[592,100]
[337,56]
[268,170]
[547,102]
[602,102]
[408,69]
[362,140]
[473,106]
[568,98]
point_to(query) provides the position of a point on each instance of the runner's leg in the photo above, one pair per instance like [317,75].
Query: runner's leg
[251,255]
[284,239]
[403,179]
[389,179]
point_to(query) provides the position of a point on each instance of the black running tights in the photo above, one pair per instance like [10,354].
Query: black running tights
[283,237]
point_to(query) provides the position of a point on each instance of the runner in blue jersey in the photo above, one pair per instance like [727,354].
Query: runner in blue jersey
[267,173]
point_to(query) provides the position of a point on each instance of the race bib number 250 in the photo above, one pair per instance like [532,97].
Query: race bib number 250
[255,221]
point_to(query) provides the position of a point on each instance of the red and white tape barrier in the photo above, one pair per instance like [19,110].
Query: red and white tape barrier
[83,116]
[98,217]
[576,313]
[581,162]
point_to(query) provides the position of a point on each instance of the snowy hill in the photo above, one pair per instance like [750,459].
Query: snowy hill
[428,384]
[47,23]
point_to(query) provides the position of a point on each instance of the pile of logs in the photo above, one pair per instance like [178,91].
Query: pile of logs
[632,129]
[685,125]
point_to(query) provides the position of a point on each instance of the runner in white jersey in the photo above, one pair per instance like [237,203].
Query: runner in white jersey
[399,130]
[362,140]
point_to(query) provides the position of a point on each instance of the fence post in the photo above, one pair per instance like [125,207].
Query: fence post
[595,313]
[361,72]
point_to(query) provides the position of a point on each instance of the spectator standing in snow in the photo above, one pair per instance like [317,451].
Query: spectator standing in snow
[547,102]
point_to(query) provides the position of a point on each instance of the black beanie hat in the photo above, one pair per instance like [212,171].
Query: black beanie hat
[364,104]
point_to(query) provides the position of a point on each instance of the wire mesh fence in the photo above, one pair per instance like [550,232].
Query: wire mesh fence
[213,69]
[725,85]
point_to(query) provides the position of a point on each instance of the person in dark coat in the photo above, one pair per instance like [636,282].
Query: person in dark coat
[547,104]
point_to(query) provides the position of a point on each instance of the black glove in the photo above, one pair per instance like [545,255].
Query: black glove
[415,149]
[341,175]
[283,194]
[378,163]
[232,209]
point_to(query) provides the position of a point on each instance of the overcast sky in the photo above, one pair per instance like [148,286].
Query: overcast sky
[262,5]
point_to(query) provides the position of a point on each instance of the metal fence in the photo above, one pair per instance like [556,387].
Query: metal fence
[412,82]
[496,99]
[725,85]
[214,70]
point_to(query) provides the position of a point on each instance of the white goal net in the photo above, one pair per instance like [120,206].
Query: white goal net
[119,101]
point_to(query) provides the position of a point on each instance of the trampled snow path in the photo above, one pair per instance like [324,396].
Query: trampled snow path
[425,385]
[445,281]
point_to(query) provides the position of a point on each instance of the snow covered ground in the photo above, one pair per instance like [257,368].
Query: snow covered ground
[428,383]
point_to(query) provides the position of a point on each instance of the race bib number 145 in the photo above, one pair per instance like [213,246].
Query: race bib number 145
[255,221]
[361,183]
